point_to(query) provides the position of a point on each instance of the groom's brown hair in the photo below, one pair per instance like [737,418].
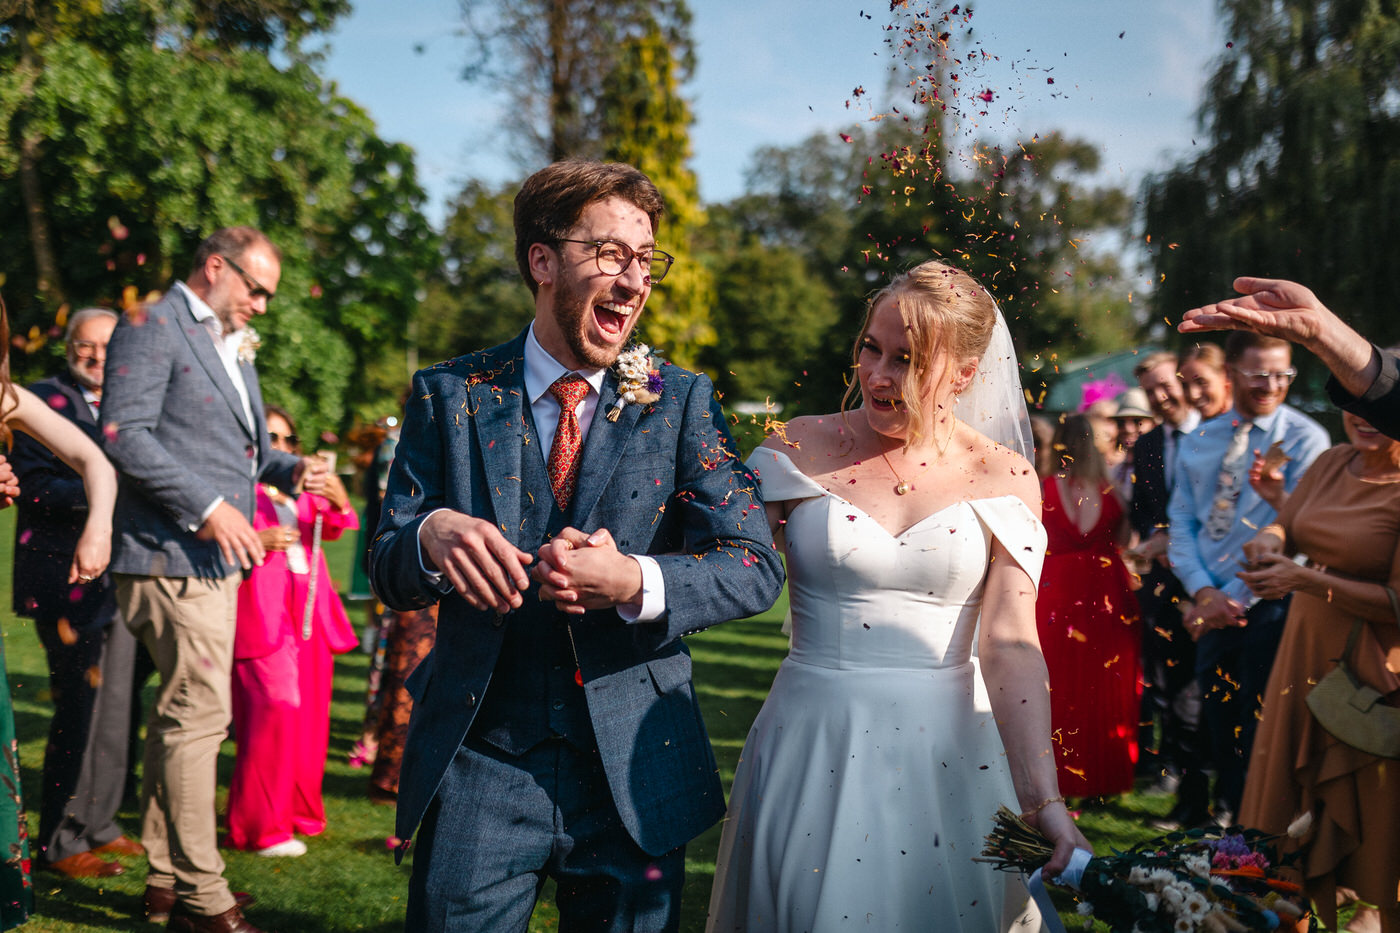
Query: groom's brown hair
[551,201]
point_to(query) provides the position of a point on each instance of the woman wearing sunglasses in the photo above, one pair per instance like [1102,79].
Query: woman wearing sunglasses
[290,625]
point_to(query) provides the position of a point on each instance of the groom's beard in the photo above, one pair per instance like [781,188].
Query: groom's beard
[573,313]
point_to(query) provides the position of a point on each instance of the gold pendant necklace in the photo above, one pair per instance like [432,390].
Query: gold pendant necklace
[903,487]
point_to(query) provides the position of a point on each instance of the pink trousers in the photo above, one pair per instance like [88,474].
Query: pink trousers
[281,721]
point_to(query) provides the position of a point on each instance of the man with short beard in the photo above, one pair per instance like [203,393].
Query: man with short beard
[90,653]
[183,422]
[575,514]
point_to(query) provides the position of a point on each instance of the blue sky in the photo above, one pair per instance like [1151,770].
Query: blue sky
[771,72]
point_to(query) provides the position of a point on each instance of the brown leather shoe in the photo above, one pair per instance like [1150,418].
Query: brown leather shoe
[161,901]
[230,921]
[122,845]
[84,865]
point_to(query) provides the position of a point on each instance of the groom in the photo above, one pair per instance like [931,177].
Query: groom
[573,534]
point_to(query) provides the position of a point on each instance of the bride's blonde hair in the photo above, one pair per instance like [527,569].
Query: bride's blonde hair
[944,310]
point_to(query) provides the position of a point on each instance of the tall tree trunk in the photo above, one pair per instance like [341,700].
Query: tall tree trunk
[50,285]
[560,94]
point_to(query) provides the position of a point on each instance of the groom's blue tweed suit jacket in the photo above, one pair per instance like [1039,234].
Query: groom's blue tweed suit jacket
[665,480]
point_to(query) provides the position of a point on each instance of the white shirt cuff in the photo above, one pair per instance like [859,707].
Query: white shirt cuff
[433,578]
[653,593]
[209,510]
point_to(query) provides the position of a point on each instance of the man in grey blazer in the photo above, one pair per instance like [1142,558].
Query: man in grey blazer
[555,731]
[182,420]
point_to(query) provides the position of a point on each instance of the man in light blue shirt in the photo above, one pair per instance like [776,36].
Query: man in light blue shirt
[1213,512]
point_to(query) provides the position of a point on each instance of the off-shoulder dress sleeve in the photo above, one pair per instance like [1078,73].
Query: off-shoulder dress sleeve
[1011,522]
[780,478]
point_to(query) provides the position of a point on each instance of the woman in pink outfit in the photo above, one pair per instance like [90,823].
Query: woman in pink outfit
[283,665]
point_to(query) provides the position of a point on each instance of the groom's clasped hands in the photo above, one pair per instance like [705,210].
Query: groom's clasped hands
[577,571]
[581,571]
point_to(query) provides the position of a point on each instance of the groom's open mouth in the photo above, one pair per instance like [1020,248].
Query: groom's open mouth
[612,318]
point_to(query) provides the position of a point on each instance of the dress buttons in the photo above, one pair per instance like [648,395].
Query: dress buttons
[471,699]
[558,704]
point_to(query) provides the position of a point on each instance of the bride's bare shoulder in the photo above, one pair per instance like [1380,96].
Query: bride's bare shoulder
[997,471]
[811,440]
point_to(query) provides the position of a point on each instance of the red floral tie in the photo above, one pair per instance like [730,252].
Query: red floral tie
[563,453]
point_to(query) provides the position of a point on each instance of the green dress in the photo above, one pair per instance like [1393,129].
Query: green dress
[16,888]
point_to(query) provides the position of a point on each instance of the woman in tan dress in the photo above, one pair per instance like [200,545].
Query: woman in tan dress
[1345,516]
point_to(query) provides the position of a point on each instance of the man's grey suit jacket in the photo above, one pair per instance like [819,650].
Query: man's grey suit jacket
[665,480]
[174,426]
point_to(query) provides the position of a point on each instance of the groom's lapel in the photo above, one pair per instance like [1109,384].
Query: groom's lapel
[496,404]
[602,450]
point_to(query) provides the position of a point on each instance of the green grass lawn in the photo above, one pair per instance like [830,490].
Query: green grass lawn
[348,881]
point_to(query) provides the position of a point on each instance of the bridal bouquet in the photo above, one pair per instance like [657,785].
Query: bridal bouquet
[1218,882]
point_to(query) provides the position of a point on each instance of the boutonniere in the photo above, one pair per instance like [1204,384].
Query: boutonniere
[637,379]
[248,349]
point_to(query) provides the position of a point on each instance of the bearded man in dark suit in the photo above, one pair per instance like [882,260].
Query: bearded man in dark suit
[576,509]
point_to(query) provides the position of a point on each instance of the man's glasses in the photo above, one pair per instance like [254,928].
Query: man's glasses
[255,289]
[1262,377]
[87,349]
[290,439]
[613,258]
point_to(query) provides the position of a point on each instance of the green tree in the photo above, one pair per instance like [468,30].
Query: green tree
[876,198]
[1297,176]
[476,299]
[646,123]
[775,315]
[133,129]
[553,59]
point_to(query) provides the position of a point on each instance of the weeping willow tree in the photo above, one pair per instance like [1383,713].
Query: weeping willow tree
[1297,177]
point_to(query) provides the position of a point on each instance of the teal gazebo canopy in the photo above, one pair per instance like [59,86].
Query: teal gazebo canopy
[1067,388]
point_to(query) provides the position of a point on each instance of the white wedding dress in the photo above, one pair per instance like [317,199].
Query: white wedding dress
[874,770]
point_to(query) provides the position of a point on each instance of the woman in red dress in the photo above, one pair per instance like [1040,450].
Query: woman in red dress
[1088,621]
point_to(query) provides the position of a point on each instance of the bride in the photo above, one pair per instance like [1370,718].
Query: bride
[878,761]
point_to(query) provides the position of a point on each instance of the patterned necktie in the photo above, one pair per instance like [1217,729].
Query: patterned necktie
[1230,483]
[569,390]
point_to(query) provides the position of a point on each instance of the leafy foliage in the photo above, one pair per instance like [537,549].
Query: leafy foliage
[646,123]
[476,299]
[554,59]
[135,128]
[1297,177]
[877,198]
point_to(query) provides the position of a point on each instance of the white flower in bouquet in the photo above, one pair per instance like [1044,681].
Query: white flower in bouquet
[1196,906]
[1161,877]
[638,381]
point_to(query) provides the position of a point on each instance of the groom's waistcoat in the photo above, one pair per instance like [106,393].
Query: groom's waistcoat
[532,695]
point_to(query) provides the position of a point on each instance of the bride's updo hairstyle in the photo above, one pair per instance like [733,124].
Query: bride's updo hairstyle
[945,311]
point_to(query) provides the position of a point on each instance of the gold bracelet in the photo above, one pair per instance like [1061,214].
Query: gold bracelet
[1058,798]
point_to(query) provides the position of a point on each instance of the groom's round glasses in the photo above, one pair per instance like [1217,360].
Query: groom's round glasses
[613,258]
